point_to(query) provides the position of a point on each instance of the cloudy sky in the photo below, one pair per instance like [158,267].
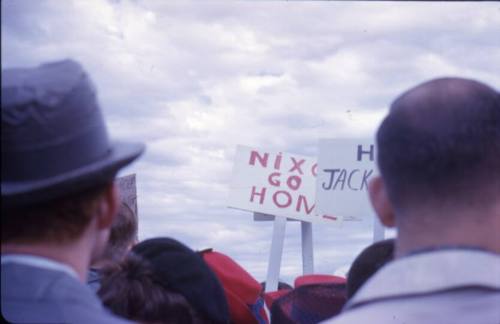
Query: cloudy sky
[195,79]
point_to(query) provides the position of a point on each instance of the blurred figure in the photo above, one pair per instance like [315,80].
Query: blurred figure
[122,236]
[183,271]
[367,263]
[438,155]
[315,298]
[58,197]
[133,290]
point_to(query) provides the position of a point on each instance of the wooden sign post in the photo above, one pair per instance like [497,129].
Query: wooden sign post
[378,230]
[276,250]
[274,264]
[307,248]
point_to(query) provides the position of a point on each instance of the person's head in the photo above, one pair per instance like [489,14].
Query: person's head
[61,220]
[438,152]
[367,263]
[58,163]
[185,272]
[133,290]
[122,236]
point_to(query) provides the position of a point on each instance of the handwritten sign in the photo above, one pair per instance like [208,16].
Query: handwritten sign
[275,183]
[345,166]
[128,191]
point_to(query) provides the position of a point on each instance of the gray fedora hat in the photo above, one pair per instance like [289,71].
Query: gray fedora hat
[54,139]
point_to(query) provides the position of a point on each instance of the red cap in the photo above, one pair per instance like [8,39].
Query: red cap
[243,292]
[314,279]
[272,296]
[310,303]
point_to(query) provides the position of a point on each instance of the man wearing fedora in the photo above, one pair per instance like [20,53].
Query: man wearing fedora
[58,196]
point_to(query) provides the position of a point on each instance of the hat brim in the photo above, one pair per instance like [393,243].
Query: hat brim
[101,171]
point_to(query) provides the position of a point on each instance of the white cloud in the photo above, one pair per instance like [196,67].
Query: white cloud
[193,80]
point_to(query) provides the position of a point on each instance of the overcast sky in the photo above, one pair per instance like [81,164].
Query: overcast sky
[195,79]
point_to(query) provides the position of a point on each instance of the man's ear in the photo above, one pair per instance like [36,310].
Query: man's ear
[380,201]
[108,207]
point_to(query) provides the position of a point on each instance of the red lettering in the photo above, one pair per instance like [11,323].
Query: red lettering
[262,159]
[277,162]
[302,200]
[314,169]
[294,182]
[296,165]
[272,181]
[329,217]
[262,195]
[288,199]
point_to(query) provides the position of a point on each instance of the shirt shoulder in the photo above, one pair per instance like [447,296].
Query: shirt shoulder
[35,295]
[477,306]
[432,287]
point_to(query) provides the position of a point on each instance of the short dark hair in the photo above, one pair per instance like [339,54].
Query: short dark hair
[131,289]
[59,220]
[441,139]
[281,286]
[367,263]
[122,234]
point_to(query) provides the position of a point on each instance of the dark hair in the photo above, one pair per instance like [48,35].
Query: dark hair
[367,263]
[122,234]
[185,272]
[59,220]
[441,140]
[281,286]
[132,290]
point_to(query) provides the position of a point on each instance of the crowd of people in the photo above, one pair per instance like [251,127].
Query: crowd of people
[70,252]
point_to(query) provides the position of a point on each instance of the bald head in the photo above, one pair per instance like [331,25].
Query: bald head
[440,144]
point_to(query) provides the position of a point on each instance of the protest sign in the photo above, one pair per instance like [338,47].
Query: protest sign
[127,191]
[344,168]
[275,183]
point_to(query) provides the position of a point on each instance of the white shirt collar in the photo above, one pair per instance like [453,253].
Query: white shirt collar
[39,262]
[431,272]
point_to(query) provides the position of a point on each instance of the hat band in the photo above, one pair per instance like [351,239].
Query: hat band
[47,162]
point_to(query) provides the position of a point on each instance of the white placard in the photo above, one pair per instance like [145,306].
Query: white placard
[275,183]
[344,168]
